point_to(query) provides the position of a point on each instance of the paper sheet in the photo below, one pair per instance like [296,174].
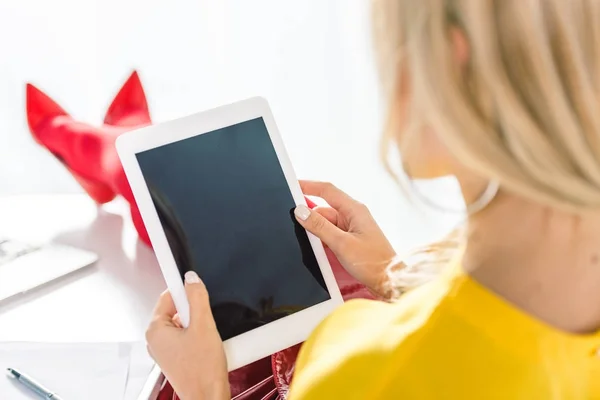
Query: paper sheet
[140,366]
[74,371]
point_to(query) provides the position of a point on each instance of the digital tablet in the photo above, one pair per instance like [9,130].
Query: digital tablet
[217,193]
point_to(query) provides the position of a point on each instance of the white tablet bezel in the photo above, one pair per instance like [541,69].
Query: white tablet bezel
[275,336]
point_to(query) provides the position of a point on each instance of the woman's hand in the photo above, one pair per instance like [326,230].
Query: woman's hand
[350,231]
[192,358]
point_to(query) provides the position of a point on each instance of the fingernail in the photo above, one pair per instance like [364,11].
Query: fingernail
[191,277]
[302,212]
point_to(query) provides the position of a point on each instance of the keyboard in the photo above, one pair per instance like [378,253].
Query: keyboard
[11,250]
[25,266]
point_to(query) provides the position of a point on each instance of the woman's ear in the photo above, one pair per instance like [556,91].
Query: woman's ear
[461,49]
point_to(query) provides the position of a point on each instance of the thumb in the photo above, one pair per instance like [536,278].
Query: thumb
[198,298]
[320,226]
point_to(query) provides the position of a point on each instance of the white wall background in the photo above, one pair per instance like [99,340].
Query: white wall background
[311,59]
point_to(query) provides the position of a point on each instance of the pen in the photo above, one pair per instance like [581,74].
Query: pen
[33,385]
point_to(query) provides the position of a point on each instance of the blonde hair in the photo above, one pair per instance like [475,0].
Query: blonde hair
[524,111]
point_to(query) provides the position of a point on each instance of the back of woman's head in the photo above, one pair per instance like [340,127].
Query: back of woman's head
[523,109]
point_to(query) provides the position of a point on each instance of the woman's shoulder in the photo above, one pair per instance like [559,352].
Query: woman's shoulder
[439,341]
[361,338]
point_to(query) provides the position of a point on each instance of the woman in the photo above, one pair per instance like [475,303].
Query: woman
[502,94]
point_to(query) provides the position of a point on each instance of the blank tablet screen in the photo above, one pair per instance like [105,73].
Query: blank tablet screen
[227,211]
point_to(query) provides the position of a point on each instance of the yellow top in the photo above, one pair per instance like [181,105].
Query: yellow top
[450,339]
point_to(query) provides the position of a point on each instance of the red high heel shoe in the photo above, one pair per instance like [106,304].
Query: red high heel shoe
[89,152]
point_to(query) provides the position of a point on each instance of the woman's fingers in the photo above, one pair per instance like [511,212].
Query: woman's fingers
[328,192]
[177,321]
[164,311]
[165,308]
[321,227]
[197,296]
[329,213]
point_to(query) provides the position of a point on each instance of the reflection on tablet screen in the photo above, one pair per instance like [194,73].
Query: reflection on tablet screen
[227,211]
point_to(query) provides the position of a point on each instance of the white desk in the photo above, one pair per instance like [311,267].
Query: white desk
[110,301]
